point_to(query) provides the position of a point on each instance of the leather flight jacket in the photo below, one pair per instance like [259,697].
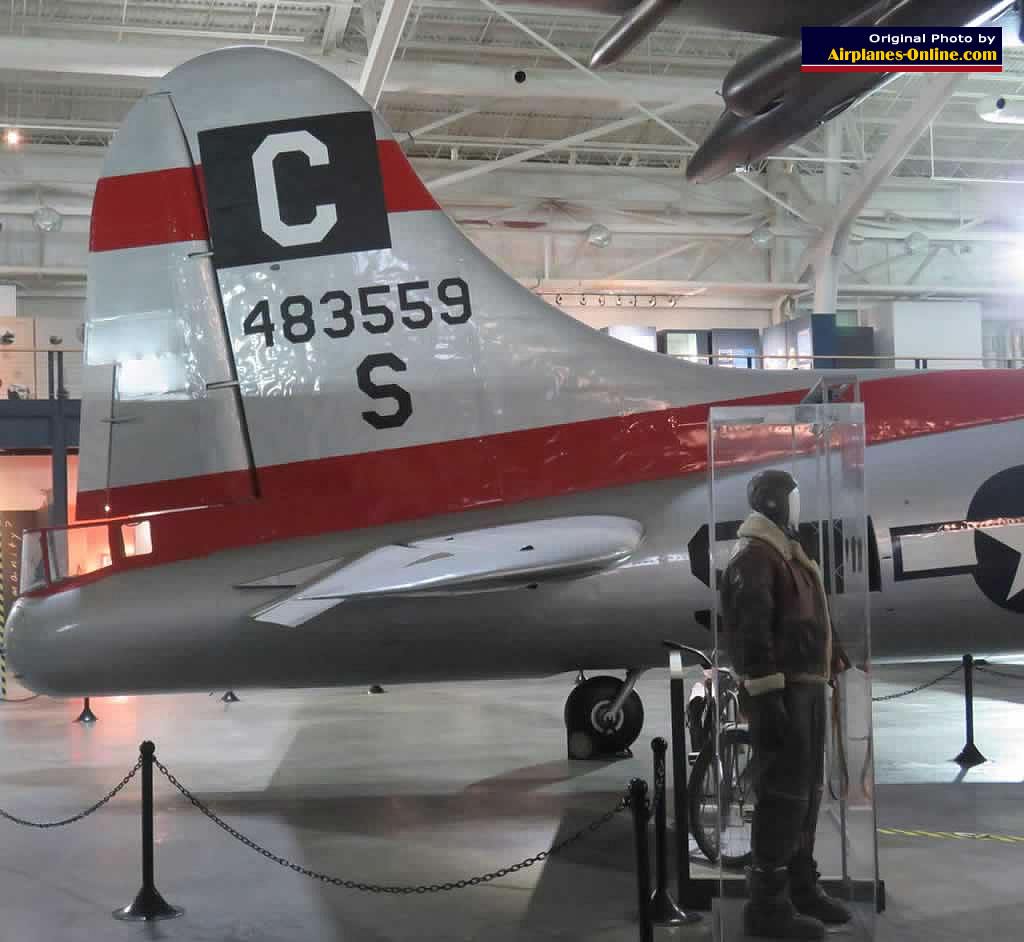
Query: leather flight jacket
[775,612]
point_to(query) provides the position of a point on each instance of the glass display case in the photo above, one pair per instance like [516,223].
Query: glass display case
[822,447]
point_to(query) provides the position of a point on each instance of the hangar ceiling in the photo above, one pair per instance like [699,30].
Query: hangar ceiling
[529,152]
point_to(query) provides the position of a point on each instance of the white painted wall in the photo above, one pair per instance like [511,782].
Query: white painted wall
[667,318]
[21,245]
[931,329]
[64,309]
[881,318]
[8,300]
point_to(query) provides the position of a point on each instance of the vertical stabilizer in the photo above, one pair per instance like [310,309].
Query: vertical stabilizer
[270,278]
[160,400]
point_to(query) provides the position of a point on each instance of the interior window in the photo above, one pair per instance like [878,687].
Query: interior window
[136,538]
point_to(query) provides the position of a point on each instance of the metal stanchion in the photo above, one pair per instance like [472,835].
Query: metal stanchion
[679,770]
[86,716]
[148,905]
[970,755]
[641,818]
[664,911]
[690,893]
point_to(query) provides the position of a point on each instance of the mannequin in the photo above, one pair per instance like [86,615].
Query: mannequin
[779,636]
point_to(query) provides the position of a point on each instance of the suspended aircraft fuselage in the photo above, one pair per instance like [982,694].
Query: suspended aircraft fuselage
[769,102]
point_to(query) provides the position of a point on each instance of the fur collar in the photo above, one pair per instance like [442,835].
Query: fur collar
[759,527]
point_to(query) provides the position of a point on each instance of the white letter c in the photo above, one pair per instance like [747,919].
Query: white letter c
[326,216]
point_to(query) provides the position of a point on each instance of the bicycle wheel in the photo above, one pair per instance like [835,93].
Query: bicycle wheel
[722,799]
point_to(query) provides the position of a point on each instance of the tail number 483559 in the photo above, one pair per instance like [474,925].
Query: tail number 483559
[416,310]
[374,308]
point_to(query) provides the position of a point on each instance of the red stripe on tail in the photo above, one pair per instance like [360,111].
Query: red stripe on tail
[142,209]
[404,191]
[165,206]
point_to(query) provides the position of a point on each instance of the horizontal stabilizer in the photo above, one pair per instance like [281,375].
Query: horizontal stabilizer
[500,557]
[291,579]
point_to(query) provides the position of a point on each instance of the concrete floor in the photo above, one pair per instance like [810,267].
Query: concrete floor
[428,784]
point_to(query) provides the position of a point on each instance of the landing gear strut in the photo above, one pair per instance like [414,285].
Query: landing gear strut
[603,717]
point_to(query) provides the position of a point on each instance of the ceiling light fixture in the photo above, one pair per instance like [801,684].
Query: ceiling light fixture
[47,219]
[916,242]
[598,235]
[762,235]
[1000,111]
[13,137]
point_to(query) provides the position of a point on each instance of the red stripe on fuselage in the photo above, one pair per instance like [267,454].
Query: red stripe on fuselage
[348,492]
[374,488]
[928,403]
[166,206]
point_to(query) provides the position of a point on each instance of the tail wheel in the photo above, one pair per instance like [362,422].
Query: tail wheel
[591,731]
[722,800]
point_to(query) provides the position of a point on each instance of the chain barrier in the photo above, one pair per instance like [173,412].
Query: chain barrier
[918,689]
[386,889]
[43,825]
[988,670]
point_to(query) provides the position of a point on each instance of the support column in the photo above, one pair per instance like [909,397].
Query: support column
[826,263]
[383,46]
[824,255]
[826,283]
[59,464]
[833,169]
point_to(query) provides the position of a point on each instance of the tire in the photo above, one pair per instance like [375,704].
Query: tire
[703,794]
[587,737]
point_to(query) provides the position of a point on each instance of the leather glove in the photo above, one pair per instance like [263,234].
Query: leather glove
[771,726]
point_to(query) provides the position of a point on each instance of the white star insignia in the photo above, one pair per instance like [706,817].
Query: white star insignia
[1013,537]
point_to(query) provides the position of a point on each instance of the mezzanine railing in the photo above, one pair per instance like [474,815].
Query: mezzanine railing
[858,361]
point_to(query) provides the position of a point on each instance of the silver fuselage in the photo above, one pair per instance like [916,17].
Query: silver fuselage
[186,626]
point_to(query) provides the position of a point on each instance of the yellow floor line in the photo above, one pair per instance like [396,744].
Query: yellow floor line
[952,835]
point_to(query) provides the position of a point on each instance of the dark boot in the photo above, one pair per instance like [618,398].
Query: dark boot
[808,896]
[770,914]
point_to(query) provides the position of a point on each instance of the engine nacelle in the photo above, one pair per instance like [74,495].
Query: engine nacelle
[757,82]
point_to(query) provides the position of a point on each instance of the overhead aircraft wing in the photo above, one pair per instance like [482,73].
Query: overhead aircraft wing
[493,558]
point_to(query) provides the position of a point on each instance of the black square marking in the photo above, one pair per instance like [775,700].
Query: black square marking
[319,190]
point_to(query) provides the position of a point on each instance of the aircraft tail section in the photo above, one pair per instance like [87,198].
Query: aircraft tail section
[278,309]
[161,400]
